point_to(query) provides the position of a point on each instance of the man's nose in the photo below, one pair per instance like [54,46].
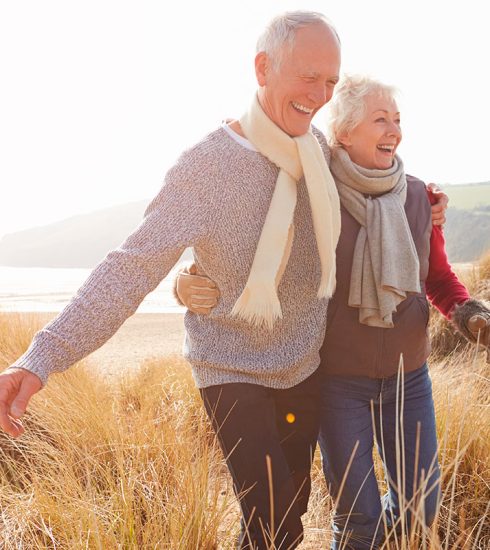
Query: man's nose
[320,94]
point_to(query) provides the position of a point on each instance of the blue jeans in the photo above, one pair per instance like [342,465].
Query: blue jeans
[354,411]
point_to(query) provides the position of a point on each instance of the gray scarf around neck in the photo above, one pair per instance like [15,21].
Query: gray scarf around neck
[385,266]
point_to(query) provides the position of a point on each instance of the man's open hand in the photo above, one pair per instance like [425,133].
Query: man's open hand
[17,386]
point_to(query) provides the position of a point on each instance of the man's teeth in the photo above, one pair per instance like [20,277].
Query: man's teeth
[389,148]
[302,108]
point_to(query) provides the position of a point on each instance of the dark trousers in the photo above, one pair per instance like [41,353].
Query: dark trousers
[268,438]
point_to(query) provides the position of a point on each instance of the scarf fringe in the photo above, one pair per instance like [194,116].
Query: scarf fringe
[327,284]
[258,305]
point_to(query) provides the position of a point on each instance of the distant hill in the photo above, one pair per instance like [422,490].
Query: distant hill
[79,241]
[467,229]
[467,234]
[82,241]
[468,196]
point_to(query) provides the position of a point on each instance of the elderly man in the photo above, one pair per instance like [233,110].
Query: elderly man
[238,206]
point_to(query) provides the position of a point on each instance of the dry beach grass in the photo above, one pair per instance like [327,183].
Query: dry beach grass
[128,461]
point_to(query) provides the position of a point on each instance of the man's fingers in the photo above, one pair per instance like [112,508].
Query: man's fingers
[29,386]
[438,209]
[11,426]
[438,215]
[7,424]
[442,198]
[8,390]
[17,386]
[434,188]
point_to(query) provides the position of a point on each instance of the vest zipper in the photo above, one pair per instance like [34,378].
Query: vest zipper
[379,355]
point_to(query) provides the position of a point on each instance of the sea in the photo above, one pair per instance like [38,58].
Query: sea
[36,289]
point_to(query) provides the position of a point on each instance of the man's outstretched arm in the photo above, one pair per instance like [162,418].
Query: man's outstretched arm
[110,295]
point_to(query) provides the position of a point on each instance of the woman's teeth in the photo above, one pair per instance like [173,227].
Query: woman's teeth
[387,148]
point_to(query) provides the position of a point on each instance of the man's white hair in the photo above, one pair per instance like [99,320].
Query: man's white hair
[281,32]
[347,107]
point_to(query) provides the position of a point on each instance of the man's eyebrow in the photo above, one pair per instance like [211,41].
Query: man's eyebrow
[316,74]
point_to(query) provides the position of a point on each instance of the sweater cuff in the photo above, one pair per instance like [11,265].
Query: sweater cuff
[32,364]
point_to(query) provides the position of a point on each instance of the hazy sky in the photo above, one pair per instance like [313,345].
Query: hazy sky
[97,98]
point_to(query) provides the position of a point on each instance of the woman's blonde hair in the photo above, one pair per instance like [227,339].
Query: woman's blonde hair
[347,107]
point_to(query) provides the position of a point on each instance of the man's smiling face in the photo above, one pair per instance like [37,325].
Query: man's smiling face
[292,93]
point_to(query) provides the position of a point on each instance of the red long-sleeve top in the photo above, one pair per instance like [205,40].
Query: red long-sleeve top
[444,289]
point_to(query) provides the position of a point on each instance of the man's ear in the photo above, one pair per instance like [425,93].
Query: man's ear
[261,67]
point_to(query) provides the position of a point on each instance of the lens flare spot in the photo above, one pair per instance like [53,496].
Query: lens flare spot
[290,418]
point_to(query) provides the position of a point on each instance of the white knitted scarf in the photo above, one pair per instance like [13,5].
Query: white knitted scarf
[385,266]
[259,303]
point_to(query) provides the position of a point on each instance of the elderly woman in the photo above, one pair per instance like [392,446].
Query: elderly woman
[389,259]
[376,384]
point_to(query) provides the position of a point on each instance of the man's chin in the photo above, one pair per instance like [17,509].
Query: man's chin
[294,128]
[298,130]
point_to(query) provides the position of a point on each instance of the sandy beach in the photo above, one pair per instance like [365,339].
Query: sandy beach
[143,336]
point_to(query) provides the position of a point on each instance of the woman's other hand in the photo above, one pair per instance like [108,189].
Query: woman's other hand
[479,327]
[472,319]
[197,293]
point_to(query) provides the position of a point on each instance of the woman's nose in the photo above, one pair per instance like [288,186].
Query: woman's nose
[395,130]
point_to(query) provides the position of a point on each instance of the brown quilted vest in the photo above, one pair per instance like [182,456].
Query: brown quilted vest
[353,349]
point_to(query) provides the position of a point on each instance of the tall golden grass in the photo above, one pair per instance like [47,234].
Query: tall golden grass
[129,461]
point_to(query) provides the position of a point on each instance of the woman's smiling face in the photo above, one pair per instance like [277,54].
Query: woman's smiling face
[373,142]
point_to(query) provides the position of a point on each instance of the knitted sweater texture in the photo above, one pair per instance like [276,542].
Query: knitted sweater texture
[214,199]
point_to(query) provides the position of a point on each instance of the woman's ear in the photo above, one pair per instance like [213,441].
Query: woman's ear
[344,139]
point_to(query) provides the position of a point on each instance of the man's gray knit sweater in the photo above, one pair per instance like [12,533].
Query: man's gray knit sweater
[215,200]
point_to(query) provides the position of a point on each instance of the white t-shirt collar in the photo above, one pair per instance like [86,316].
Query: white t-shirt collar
[237,137]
